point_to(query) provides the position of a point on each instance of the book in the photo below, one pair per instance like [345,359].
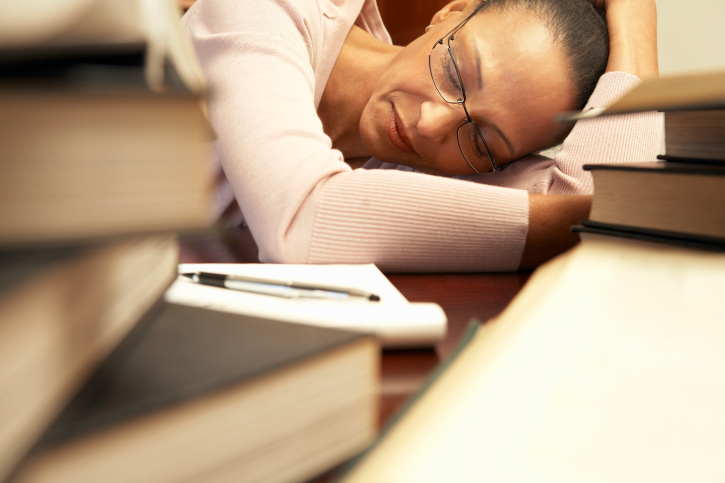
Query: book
[680,200]
[607,366]
[695,136]
[103,143]
[102,129]
[689,91]
[657,236]
[63,310]
[675,92]
[694,114]
[83,30]
[199,395]
[395,321]
[79,167]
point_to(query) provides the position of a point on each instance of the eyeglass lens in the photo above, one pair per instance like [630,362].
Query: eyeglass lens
[472,146]
[448,82]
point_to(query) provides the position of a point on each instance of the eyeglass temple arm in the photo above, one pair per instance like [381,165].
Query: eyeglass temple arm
[460,25]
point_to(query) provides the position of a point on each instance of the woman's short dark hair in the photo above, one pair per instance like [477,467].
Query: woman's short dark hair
[575,25]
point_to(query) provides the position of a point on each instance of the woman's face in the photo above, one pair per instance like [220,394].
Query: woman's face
[515,80]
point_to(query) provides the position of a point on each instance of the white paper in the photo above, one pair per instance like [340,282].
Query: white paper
[397,322]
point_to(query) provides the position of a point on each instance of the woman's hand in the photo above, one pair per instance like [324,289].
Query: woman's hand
[632,26]
[550,221]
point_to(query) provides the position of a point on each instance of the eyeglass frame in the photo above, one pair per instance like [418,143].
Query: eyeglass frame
[462,101]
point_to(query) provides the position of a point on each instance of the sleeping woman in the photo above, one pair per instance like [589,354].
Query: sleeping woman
[335,146]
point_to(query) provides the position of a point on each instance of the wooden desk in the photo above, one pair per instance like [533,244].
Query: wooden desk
[462,296]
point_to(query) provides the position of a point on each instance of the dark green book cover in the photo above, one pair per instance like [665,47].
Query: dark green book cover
[177,353]
[656,236]
[682,166]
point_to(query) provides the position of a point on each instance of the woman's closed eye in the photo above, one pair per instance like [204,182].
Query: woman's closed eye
[453,84]
[479,149]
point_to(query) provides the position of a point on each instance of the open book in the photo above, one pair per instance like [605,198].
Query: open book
[397,322]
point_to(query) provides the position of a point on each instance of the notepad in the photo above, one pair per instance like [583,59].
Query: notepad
[394,320]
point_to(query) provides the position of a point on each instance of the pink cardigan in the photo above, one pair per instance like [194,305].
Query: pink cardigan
[267,63]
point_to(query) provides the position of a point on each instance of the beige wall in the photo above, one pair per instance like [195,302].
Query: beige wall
[691,35]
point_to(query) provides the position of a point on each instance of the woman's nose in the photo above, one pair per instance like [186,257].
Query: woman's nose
[438,119]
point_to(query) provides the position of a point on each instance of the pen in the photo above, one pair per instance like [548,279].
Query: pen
[288,289]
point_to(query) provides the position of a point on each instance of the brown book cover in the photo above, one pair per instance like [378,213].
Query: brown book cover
[695,135]
[180,352]
[681,198]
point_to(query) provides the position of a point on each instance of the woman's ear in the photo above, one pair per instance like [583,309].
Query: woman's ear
[456,6]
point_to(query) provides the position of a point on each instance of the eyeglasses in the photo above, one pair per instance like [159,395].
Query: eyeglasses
[447,80]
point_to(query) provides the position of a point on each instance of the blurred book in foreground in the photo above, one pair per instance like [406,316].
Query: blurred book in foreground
[63,310]
[102,131]
[608,366]
[102,157]
[81,166]
[669,93]
[50,31]
[199,395]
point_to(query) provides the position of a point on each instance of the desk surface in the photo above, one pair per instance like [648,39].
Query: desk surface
[462,296]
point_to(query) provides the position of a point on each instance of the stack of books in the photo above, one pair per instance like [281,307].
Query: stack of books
[104,149]
[99,169]
[679,198]
[672,202]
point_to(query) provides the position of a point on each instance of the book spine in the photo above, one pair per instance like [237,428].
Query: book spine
[678,159]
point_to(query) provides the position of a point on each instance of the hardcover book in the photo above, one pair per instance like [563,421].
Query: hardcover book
[198,395]
[62,311]
[102,129]
[695,136]
[673,199]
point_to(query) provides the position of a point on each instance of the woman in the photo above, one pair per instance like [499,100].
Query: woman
[303,91]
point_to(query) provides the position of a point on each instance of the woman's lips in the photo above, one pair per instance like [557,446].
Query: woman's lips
[397,135]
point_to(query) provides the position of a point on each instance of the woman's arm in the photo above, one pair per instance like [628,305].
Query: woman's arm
[550,220]
[632,26]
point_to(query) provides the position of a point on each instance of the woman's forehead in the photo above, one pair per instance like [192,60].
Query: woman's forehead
[503,37]
[513,73]
[507,50]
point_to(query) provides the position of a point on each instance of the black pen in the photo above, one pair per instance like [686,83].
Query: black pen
[288,289]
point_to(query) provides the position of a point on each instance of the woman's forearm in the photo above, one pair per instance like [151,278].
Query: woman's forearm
[632,37]
[550,220]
